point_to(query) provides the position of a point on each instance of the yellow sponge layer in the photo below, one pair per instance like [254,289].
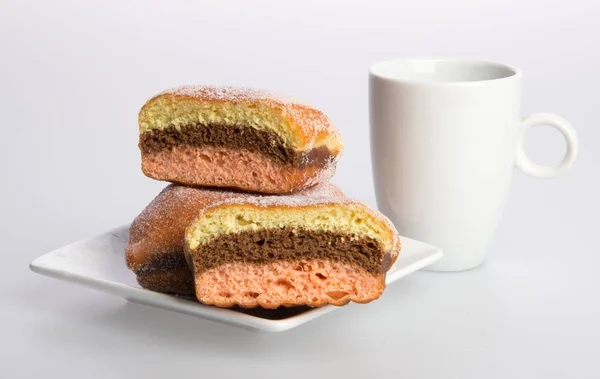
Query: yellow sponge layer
[353,219]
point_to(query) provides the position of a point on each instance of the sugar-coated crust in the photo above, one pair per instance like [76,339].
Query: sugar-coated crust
[310,126]
[159,228]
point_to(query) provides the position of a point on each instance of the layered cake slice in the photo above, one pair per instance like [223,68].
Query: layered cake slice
[236,137]
[313,248]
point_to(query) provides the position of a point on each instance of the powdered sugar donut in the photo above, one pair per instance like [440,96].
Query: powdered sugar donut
[229,248]
[236,137]
[313,248]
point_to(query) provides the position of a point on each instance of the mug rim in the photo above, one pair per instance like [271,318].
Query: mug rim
[514,72]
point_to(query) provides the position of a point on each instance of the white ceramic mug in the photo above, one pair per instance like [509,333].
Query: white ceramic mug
[445,136]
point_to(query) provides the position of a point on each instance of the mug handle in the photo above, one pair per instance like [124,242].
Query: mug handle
[565,128]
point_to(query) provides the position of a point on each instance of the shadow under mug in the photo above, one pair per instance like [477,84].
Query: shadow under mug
[446,135]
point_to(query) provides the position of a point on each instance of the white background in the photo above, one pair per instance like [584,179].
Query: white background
[73,75]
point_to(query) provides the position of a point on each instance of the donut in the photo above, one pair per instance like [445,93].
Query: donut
[236,137]
[312,248]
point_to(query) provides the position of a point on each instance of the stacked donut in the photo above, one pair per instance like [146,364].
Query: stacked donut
[249,218]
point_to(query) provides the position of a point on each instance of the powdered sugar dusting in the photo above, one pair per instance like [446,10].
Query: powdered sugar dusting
[311,121]
[322,175]
[231,94]
[169,204]
[325,193]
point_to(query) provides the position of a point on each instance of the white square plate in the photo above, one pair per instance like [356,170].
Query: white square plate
[99,263]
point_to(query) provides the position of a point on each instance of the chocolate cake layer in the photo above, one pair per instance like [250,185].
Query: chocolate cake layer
[167,273]
[177,282]
[234,137]
[292,244]
[162,262]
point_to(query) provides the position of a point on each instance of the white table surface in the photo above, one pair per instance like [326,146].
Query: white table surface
[73,77]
